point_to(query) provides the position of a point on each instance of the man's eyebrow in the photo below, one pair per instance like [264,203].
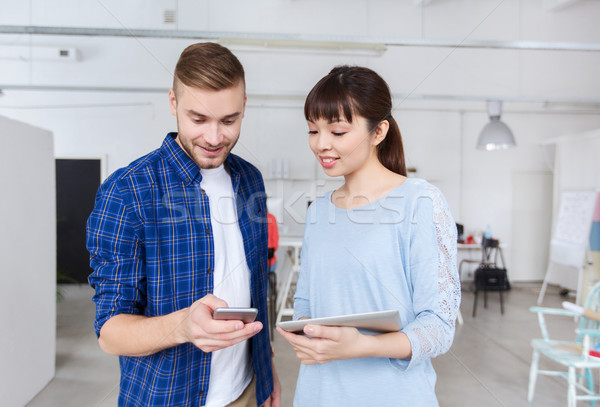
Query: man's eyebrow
[194,113]
[202,115]
[232,115]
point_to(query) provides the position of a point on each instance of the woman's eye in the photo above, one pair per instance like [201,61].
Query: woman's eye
[312,132]
[337,134]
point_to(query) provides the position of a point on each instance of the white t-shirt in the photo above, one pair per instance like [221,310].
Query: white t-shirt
[231,370]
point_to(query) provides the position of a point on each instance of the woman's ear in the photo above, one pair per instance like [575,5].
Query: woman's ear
[381,132]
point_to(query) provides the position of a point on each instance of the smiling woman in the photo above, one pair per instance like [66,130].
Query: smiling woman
[368,257]
[349,92]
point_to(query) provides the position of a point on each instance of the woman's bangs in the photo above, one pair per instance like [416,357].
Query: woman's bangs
[328,103]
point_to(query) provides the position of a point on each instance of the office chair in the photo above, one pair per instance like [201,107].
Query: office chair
[489,248]
[488,276]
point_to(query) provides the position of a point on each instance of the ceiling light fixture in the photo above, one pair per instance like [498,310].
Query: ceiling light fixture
[495,135]
[318,47]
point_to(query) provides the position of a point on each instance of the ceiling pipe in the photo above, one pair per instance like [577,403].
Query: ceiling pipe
[307,40]
[398,97]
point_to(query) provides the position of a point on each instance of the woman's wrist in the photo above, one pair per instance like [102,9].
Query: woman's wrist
[367,346]
[391,345]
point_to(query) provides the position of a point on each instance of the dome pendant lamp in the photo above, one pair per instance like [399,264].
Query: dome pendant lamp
[495,135]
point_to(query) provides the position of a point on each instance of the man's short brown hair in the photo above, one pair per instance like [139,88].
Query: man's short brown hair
[208,65]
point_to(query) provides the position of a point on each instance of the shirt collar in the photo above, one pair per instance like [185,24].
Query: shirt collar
[184,166]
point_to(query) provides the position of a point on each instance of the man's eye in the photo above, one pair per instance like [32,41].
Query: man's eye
[198,121]
[228,122]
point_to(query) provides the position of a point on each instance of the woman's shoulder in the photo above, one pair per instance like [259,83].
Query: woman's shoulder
[418,187]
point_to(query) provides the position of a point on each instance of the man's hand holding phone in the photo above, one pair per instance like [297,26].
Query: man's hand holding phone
[212,331]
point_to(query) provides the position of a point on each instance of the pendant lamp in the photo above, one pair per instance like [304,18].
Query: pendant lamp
[495,135]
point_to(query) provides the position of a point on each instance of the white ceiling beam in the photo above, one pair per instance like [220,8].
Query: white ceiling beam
[296,40]
[298,95]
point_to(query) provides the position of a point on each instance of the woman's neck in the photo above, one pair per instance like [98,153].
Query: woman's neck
[366,185]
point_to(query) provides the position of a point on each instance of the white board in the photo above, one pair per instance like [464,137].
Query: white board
[570,240]
[572,232]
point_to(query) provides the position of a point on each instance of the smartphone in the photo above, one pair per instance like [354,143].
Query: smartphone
[246,315]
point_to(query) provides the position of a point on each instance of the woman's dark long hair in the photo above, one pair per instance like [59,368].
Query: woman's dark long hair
[353,90]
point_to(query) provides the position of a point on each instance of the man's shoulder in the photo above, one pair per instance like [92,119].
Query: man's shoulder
[242,166]
[139,172]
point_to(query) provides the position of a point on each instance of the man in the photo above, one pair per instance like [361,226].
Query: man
[177,234]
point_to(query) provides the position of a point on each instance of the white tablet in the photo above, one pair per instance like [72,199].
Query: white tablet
[379,321]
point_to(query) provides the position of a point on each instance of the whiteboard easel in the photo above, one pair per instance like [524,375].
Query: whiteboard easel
[570,242]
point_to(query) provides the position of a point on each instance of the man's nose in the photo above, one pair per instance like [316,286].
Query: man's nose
[214,134]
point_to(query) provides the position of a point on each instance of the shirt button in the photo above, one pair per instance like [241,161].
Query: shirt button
[209,271]
[207,231]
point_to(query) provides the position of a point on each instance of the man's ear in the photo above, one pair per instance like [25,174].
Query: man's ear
[381,132]
[172,102]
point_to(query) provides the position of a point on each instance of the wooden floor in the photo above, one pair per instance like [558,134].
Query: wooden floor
[488,364]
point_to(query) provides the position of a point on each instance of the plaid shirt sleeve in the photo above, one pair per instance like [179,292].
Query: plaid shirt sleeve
[115,256]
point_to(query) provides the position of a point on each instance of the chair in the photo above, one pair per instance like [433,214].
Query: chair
[488,276]
[574,355]
[489,248]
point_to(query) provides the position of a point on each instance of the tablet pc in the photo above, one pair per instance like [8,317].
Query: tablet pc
[378,321]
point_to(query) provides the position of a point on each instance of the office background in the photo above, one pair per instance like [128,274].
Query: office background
[88,79]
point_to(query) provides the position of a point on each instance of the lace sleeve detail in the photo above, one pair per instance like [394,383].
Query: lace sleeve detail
[435,305]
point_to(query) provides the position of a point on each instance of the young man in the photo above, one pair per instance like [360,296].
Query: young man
[177,234]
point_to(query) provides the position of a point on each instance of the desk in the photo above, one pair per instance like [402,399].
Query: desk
[468,246]
[468,252]
[474,252]
[294,246]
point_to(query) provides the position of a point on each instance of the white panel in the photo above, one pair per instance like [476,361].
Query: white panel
[473,20]
[14,70]
[127,62]
[393,18]
[28,252]
[531,224]
[333,17]
[577,23]
[14,12]
[450,71]
[560,74]
[432,145]
[132,14]
[193,14]
[278,133]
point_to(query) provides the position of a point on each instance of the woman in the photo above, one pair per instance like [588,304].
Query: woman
[381,241]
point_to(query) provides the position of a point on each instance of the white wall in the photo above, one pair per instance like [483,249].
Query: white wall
[577,167]
[440,127]
[28,268]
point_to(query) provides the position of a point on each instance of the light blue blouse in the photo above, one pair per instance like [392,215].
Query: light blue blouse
[398,252]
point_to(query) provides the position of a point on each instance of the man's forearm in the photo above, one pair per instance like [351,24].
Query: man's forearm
[138,335]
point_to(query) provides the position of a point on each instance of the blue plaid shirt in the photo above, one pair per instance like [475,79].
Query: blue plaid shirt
[151,248]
